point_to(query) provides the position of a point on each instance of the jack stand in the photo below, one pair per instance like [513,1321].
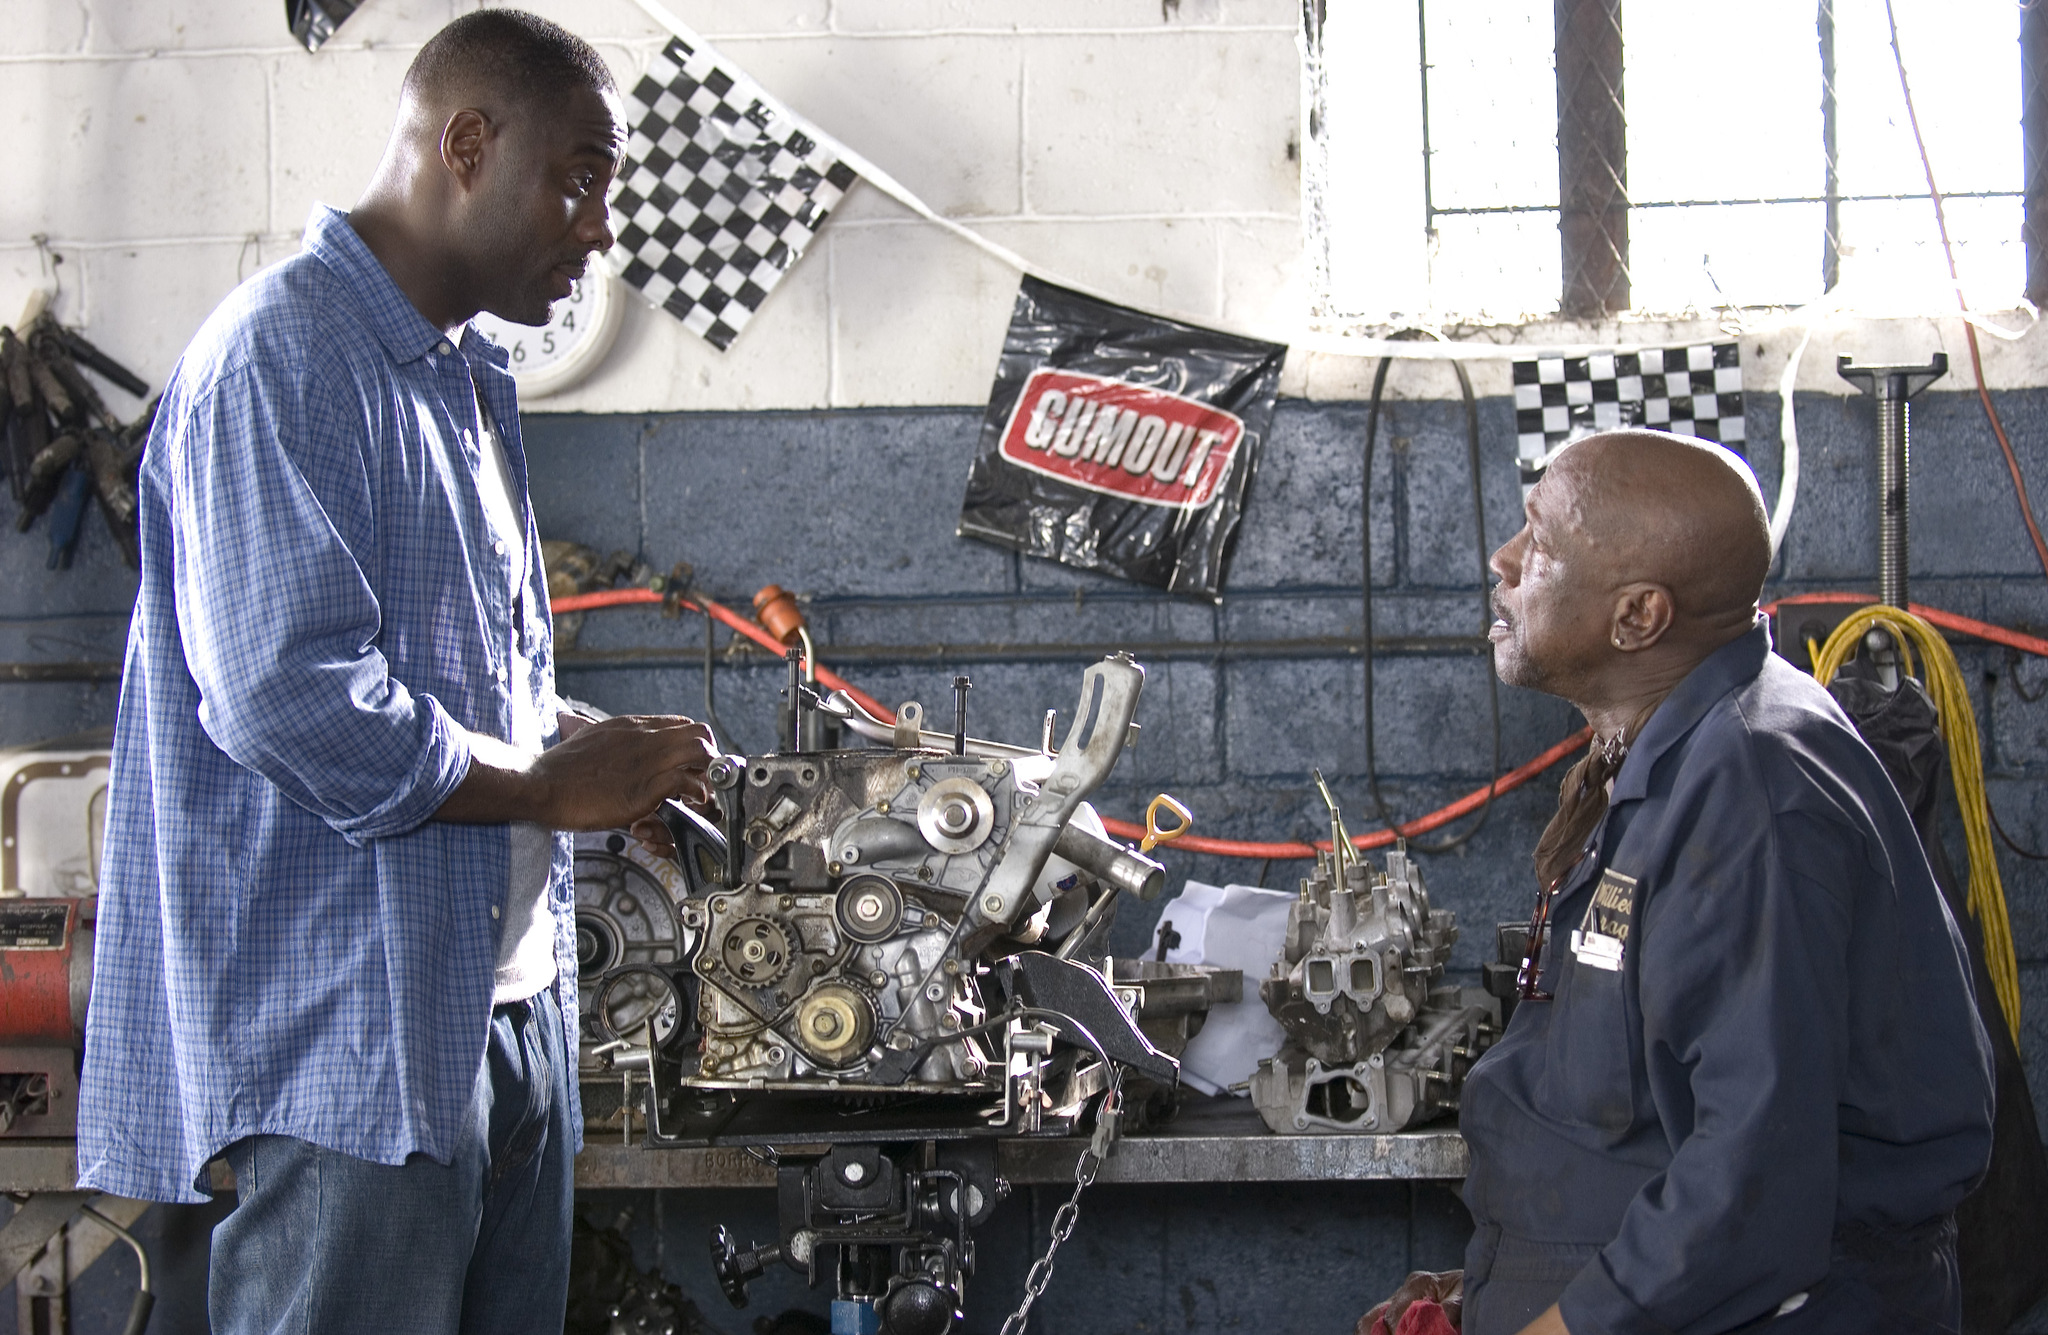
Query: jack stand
[1893,387]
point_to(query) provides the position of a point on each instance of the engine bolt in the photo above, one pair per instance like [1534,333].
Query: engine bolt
[992,904]
[833,868]
[882,807]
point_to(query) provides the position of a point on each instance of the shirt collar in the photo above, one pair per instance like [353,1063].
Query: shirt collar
[405,333]
[1733,665]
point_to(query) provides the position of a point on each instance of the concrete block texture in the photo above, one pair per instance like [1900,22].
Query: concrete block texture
[916,317]
[124,149]
[143,303]
[1263,276]
[1023,16]
[1124,124]
[754,498]
[600,20]
[196,25]
[330,120]
[1302,522]
[1173,266]
[783,357]
[948,126]
[45,29]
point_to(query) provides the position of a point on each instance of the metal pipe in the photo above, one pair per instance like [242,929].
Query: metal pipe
[62,671]
[1052,651]
[960,685]
[1111,862]
[858,720]
[795,690]
[2034,146]
[1893,387]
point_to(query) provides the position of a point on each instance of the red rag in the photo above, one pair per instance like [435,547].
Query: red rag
[1423,1317]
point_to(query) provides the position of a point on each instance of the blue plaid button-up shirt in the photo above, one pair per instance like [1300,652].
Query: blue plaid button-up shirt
[287,942]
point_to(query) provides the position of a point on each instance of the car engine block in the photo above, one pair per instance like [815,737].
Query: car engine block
[1374,1043]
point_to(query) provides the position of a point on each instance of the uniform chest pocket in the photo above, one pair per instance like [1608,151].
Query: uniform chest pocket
[1591,1068]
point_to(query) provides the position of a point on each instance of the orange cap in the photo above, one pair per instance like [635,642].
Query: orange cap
[775,608]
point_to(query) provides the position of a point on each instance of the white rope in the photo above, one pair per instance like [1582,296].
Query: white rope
[1788,445]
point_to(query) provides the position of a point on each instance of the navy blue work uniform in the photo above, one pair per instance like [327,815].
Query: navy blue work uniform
[1761,1086]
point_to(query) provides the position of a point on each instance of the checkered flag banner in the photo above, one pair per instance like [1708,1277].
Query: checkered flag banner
[1695,391]
[721,191]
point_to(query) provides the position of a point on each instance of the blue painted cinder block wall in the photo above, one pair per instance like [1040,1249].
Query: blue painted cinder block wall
[855,509]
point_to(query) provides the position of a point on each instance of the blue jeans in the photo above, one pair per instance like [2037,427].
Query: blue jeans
[320,1242]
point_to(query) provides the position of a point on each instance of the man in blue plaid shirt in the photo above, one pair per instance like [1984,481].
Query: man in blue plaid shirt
[335,930]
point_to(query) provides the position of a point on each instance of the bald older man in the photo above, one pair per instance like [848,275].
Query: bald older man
[335,943]
[1747,1085]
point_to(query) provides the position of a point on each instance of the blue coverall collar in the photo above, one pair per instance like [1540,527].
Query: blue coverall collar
[1727,668]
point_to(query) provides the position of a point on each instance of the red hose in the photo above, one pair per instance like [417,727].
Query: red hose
[1962,625]
[1472,801]
[585,602]
[1240,848]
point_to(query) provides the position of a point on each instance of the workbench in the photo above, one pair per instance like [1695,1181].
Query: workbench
[1212,1140]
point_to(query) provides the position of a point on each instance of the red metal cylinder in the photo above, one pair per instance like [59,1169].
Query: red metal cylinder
[45,971]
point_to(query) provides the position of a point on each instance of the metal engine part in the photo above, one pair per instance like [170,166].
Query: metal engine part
[1171,1002]
[847,942]
[1373,1043]
[901,957]
[633,980]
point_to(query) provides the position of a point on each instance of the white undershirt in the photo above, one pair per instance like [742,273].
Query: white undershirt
[526,950]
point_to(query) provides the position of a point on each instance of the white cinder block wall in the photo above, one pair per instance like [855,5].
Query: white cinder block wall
[168,149]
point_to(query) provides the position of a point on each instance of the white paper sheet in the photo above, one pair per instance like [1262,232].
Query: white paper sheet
[1238,927]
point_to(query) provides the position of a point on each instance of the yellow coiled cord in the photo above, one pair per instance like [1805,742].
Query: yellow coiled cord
[1944,680]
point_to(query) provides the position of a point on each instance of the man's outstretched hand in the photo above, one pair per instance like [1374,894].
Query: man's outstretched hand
[602,776]
[1446,1290]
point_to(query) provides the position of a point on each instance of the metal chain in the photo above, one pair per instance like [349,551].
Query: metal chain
[1064,1219]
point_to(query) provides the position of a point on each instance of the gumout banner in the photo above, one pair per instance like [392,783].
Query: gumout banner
[1120,441]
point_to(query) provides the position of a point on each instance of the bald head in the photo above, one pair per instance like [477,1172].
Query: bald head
[1643,553]
[1668,510]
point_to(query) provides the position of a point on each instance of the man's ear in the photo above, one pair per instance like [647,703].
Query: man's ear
[463,141]
[1642,613]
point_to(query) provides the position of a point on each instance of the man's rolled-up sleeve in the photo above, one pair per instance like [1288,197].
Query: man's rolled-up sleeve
[273,522]
[1745,988]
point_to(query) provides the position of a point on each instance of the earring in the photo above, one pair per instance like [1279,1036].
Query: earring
[1617,639]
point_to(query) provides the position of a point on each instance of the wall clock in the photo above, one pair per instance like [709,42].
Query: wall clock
[551,357]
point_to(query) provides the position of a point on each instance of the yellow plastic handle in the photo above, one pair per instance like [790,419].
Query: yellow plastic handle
[1154,836]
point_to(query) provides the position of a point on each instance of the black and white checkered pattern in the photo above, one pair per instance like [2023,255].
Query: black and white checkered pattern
[721,191]
[1695,391]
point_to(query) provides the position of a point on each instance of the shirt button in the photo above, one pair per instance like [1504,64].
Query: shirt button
[494,910]
[498,548]
[445,350]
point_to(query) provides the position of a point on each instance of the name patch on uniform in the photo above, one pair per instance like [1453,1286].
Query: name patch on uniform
[1602,936]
